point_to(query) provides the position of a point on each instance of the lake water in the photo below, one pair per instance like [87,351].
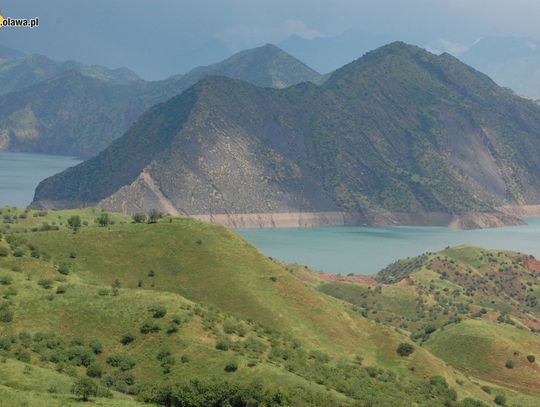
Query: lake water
[334,249]
[20,173]
[365,250]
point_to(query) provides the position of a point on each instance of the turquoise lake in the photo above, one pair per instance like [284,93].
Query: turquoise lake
[363,250]
[20,173]
[334,249]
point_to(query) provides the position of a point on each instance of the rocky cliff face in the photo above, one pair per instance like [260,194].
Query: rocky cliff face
[399,131]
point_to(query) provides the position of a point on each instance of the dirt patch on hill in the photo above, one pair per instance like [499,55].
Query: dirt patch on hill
[532,264]
[351,279]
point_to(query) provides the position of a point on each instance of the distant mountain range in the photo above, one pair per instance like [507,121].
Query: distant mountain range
[511,61]
[74,109]
[6,53]
[20,72]
[399,130]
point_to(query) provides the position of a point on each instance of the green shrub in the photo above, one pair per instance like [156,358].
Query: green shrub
[154,216]
[500,400]
[5,279]
[63,269]
[121,361]
[531,358]
[96,346]
[94,370]
[158,312]
[103,219]
[139,218]
[149,327]
[74,222]
[80,355]
[405,349]
[231,367]
[223,343]
[509,364]
[4,252]
[46,283]
[127,338]
[6,315]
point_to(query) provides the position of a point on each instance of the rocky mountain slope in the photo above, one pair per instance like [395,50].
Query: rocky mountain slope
[73,109]
[398,131]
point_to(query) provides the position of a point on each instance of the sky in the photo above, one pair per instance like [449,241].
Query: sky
[157,38]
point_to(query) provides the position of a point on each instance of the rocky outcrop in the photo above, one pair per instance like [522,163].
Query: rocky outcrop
[520,210]
[475,220]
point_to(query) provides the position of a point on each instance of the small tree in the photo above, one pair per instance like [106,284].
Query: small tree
[115,287]
[153,216]
[531,358]
[103,219]
[405,349]
[84,388]
[509,364]
[139,218]
[74,222]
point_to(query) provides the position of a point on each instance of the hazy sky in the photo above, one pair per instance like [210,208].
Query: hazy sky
[158,37]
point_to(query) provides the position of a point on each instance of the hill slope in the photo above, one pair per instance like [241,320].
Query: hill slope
[143,308]
[62,115]
[400,131]
[476,309]
[266,66]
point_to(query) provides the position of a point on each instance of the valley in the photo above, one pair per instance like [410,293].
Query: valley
[249,231]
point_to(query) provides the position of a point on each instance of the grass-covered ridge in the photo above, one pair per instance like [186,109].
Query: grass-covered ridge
[476,309]
[143,309]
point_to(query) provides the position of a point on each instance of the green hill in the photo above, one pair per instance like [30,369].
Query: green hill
[74,109]
[475,309]
[144,309]
[267,66]
[19,72]
[399,131]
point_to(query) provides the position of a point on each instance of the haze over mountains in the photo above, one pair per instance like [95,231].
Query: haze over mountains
[399,130]
[513,62]
[74,109]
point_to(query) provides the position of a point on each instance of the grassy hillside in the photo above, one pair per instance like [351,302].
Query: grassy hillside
[475,309]
[143,309]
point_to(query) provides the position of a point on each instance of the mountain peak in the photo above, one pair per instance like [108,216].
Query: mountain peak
[266,66]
